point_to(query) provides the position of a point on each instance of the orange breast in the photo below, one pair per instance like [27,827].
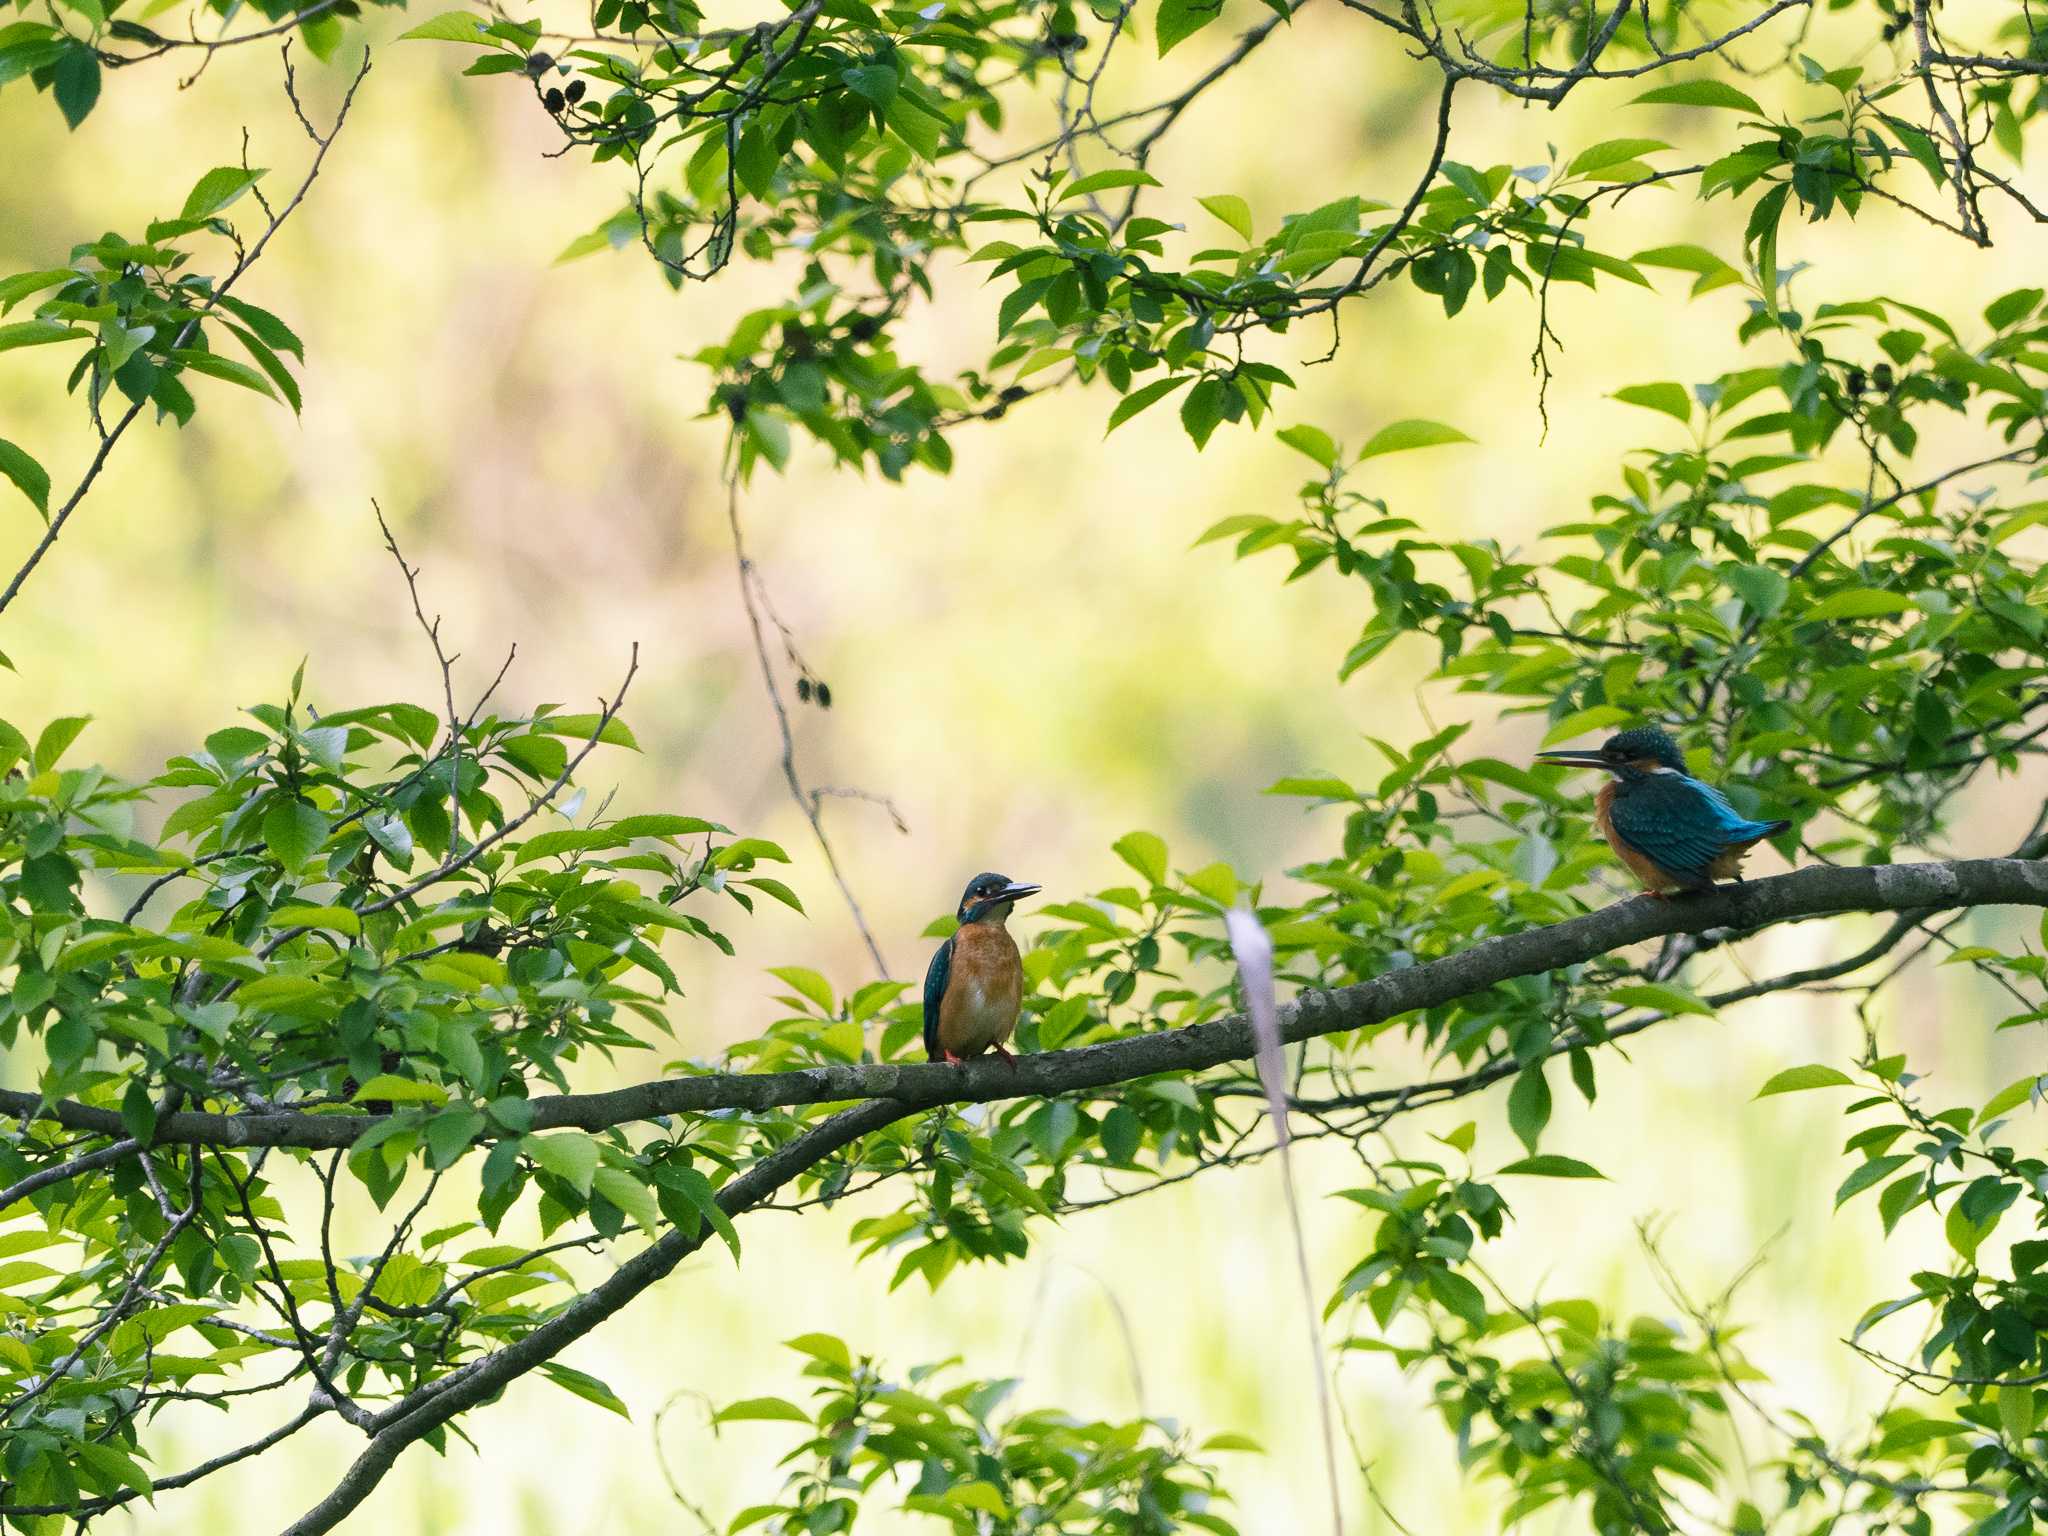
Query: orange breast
[984,992]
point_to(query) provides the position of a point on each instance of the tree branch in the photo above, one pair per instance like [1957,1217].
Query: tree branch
[1820,891]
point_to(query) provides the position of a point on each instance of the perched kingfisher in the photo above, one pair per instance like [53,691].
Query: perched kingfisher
[1670,829]
[976,981]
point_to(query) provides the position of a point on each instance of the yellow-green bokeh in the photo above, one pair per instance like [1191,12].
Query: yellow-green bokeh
[1026,657]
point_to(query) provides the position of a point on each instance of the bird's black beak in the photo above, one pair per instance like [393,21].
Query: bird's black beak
[1017,890]
[1574,759]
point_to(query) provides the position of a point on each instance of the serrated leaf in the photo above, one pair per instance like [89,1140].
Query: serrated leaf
[1232,210]
[1799,1079]
[294,832]
[1858,603]
[400,1090]
[569,1155]
[29,477]
[1529,1105]
[453,27]
[1699,93]
[629,1195]
[1145,852]
[1671,399]
[769,1408]
[1401,436]
[217,189]
[1138,399]
[808,982]
[1599,157]
[1106,181]
[1659,995]
[1179,20]
[585,1386]
[1312,441]
[1550,1165]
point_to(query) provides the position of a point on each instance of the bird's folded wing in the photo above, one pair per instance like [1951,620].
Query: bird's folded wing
[1676,823]
[935,993]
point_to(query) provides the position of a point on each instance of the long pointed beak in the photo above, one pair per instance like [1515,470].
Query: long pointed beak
[1573,759]
[1017,890]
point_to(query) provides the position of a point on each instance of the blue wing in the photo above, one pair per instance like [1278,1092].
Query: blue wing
[935,977]
[1682,825]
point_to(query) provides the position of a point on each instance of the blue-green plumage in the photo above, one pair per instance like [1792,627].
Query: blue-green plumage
[1680,824]
[935,978]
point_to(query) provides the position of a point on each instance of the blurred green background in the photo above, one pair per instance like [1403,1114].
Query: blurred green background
[535,439]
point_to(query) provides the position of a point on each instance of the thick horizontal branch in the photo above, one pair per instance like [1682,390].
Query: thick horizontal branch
[1803,894]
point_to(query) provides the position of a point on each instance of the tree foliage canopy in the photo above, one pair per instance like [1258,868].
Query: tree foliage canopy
[347,955]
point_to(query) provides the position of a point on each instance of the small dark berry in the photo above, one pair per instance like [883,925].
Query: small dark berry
[553,101]
[863,328]
[1015,392]
[803,690]
[539,63]
[824,691]
[1881,375]
[575,92]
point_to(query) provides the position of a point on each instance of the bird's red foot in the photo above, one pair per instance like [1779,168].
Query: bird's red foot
[1004,1052]
[947,1058]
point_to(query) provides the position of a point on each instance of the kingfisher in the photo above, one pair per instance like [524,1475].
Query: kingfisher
[975,983]
[1671,830]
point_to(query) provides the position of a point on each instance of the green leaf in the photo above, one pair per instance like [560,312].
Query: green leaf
[56,739]
[294,832]
[569,1155]
[660,825]
[1918,1432]
[2016,1412]
[453,27]
[582,726]
[1875,1171]
[1551,1166]
[29,477]
[450,1133]
[1661,996]
[750,1408]
[629,1195]
[1232,210]
[340,919]
[1400,436]
[2010,1097]
[808,982]
[36,333]
[1106,181]
[1126,408]
[1144,852]
[1761,588]
[1180,20]
[75,82]
[1529,1105]
[1798,1079]
[213,365]
[585,1386]
[400,1090]
[1611,152]
[14,289]
[1312,441]
[216,189]
[1699,93]
[1671,399]
[1857,603]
